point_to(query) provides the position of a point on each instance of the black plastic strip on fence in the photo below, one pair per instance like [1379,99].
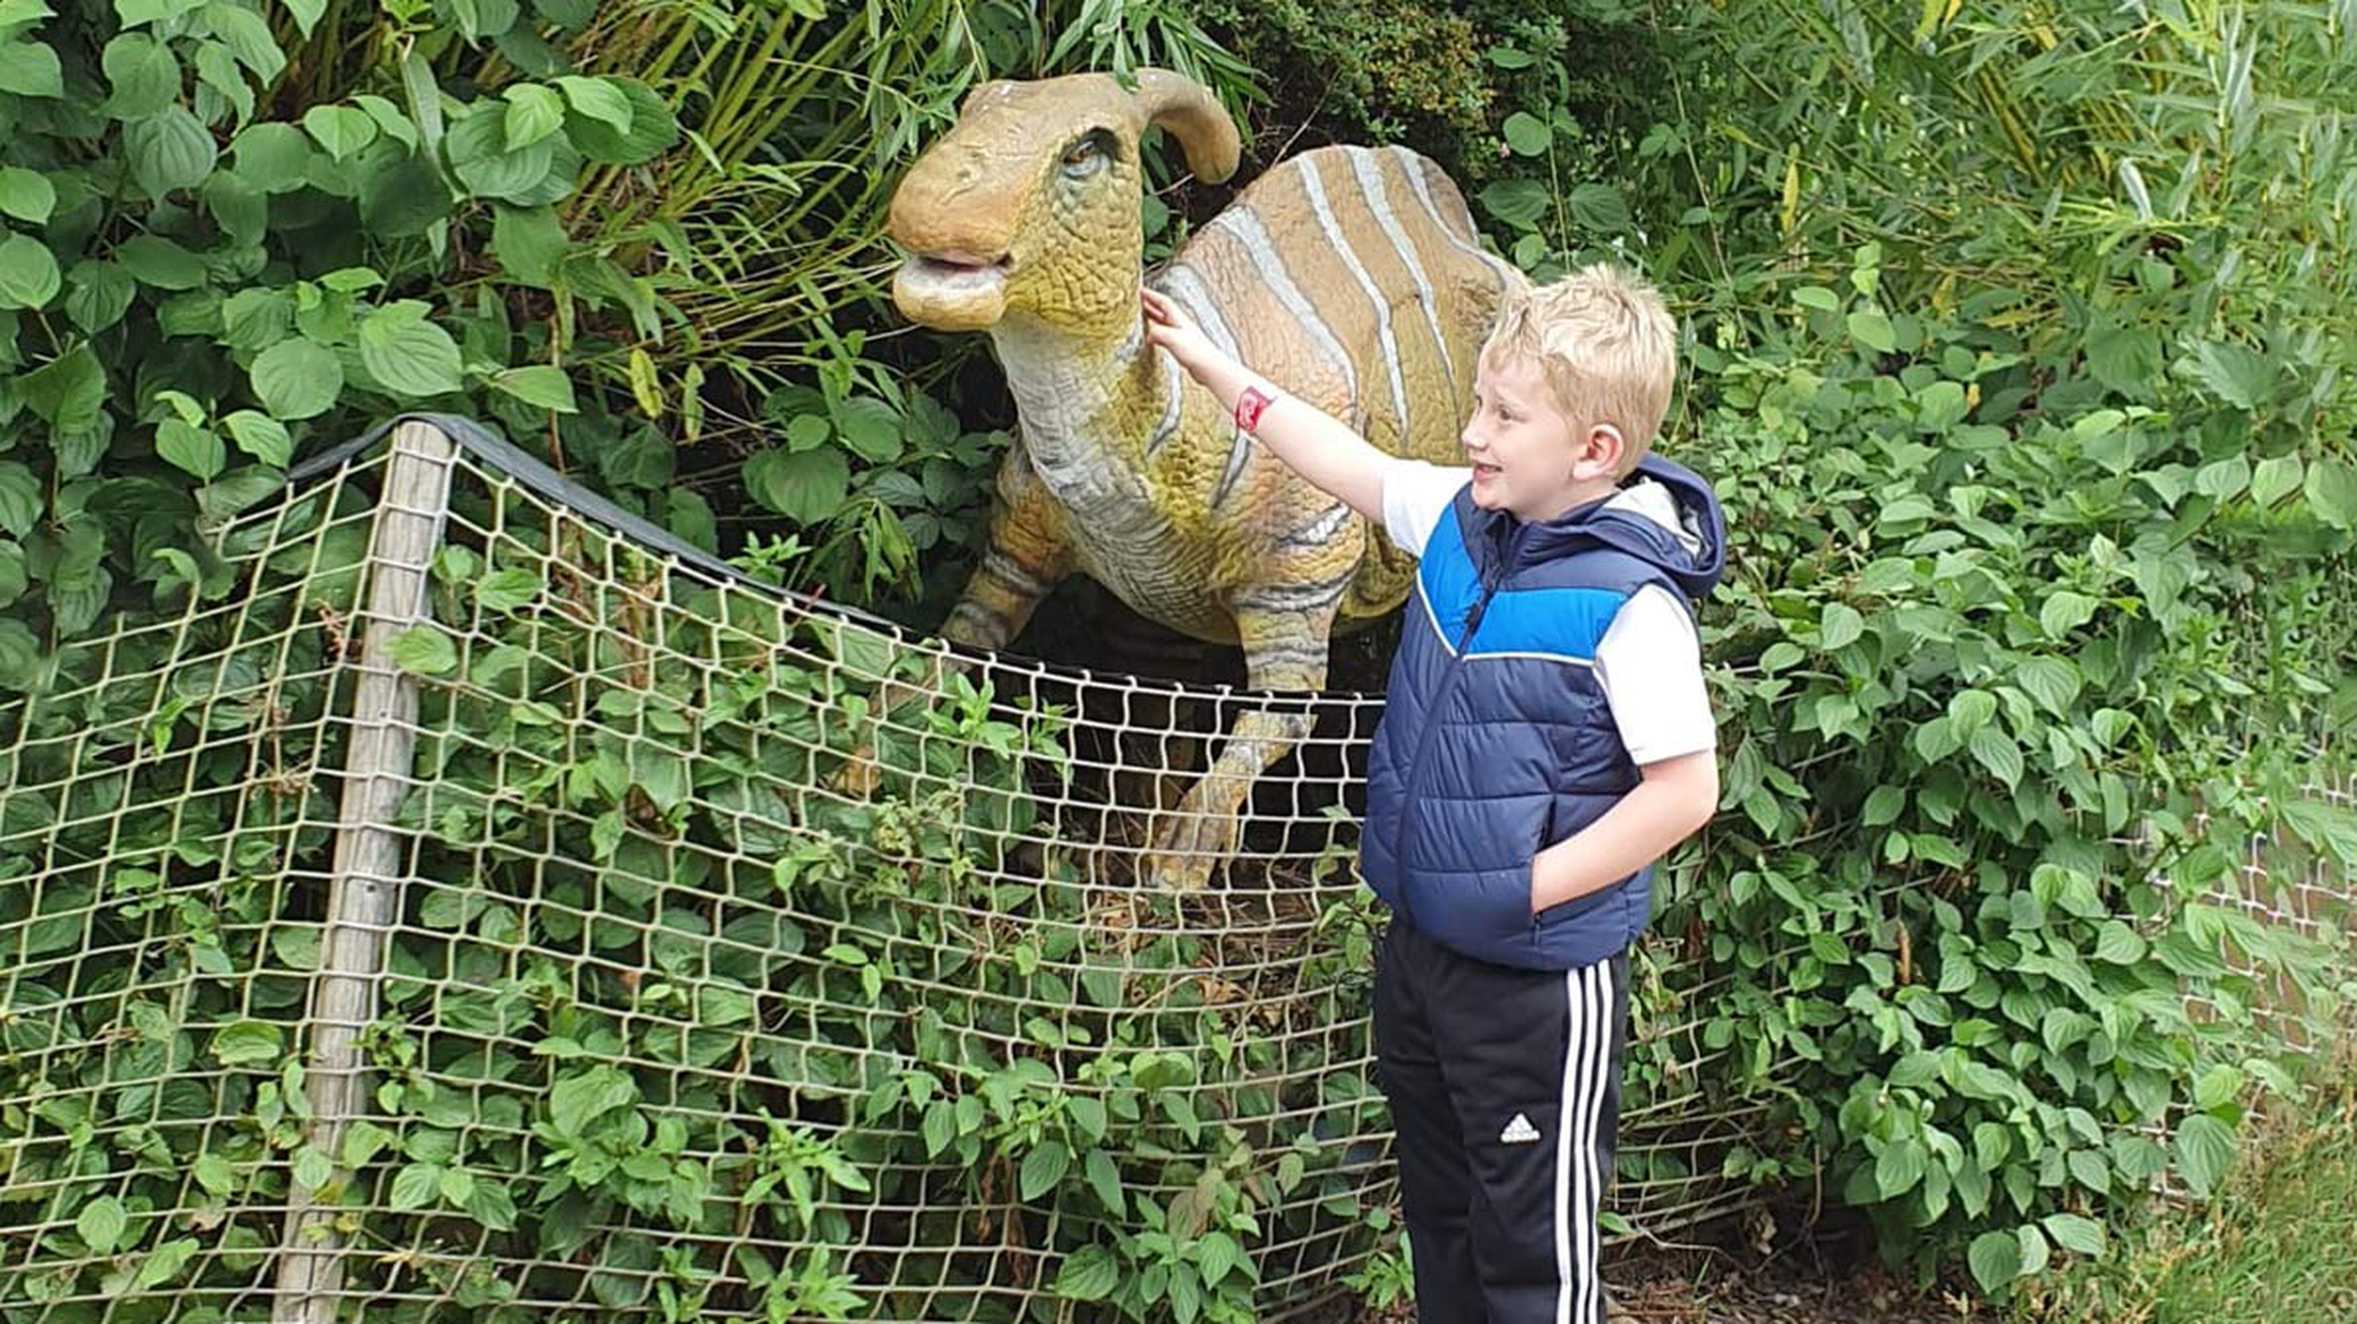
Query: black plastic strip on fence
[535,475]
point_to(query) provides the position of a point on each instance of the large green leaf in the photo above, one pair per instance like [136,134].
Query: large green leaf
[653,128]
[194,450]
[297,379]
[1871,327]
[169,151]
[870,428]
[533,113]
[26,195]
[1600,208]
[1995,1258]
[340,131]
[1043,1168]
[30,69]
[157,261]
[576,1101]
[1840,626]
[254,319]
[540,385]
[479,155]
[144,76]
[28,273]
[2205,1150]
[1526,133]
[426,651]
[600,99]
[21,499]
[67,390]
[2332,492]
[248,1041]
[1518,202]
[101,1225]
[2238,375]
[1089,1274]
[261,436]
[244,32]
[804,486]
[241,208]
[218,74]
[528,241]
[273,157]
[407,354]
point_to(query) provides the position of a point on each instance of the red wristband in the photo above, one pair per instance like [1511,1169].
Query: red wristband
[1250,406]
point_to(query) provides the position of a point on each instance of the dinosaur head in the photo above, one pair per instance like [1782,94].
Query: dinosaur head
[1030,204]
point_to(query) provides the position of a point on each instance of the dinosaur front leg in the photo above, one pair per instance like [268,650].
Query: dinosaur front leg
[1026,555]
[1285,630]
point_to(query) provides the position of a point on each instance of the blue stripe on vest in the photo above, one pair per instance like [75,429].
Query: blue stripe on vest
[1559,622]
[1449,581]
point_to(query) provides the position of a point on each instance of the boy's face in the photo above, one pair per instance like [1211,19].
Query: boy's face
[1528,459]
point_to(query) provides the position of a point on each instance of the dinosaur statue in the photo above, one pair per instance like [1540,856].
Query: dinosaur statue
[1351,276]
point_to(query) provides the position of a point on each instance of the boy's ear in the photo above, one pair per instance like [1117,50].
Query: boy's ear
[1600,452]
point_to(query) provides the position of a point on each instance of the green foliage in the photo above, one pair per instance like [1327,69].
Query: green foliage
[663,1029]
[2040,592]
[2013,343]
[302,226]
[2280,1242]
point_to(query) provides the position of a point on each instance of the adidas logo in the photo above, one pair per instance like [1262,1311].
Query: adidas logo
[1519,1132]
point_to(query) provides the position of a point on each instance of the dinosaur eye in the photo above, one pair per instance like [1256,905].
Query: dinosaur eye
[1087,154]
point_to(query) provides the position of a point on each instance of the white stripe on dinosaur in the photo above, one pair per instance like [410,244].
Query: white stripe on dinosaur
[1409,166]
[1239,223]
[1012,574]
[1315,187]
[1317,533]
[1174,385]
[1295,597]
[1363,164]
[1180,282]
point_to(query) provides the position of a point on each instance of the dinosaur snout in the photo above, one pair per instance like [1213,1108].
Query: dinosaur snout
[956,221]
[953,290]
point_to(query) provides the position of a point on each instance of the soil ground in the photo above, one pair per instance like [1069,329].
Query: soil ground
[1828,1277]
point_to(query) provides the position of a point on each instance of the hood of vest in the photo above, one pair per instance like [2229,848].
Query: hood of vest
[1693,555]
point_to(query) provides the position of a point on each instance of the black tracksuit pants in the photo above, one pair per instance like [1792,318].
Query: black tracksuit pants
[1505,1089]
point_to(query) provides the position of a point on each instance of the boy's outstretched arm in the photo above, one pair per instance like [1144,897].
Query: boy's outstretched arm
[1318,446]
[1674,801]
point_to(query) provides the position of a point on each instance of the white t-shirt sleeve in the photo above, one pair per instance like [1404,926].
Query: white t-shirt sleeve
[1415,496]
[1650,664]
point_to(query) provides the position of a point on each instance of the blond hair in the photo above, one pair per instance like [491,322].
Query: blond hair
[1607,345]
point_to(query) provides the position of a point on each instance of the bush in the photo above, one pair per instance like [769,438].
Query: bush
[2008,347]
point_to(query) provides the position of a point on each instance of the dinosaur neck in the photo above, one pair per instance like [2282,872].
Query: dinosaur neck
[1092,411]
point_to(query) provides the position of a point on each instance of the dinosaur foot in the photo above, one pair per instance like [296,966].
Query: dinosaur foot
[1185,848]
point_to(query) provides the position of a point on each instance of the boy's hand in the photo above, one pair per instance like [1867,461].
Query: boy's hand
[1168,326]
[1675,799]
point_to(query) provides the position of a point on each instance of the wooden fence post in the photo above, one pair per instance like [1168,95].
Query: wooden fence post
[365,899]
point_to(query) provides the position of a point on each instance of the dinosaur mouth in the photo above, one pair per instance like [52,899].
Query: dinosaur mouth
[953,291]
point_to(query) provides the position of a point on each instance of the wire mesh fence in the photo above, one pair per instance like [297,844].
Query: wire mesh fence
[460,908]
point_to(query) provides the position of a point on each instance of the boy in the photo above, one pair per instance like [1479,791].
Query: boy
[1546,737]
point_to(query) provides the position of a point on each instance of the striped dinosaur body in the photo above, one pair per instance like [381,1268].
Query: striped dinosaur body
[1350,276]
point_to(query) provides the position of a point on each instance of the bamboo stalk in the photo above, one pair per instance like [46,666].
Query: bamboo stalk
[365,902]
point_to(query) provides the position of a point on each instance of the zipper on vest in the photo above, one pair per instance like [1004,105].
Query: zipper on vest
[1490,584]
